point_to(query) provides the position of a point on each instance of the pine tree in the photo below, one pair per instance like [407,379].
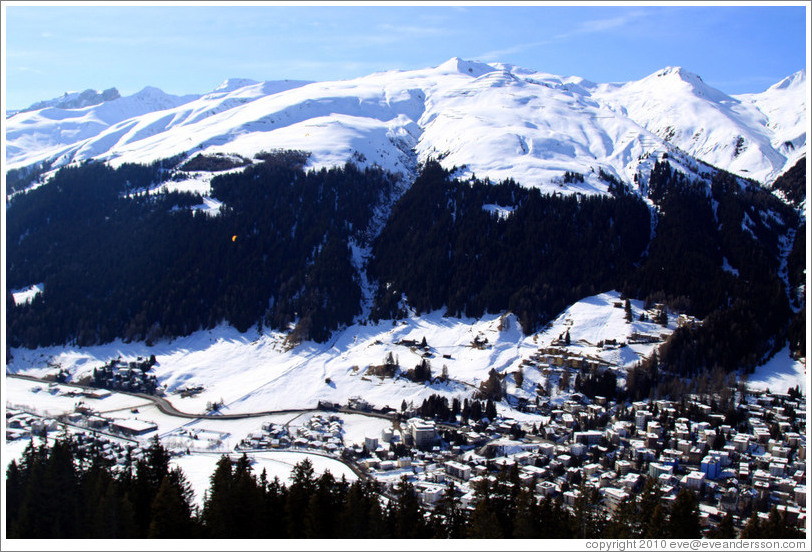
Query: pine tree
[725,529]
[484,523]
[752,529]
[218,506]
[172,509]
[15,487]
[655,526]
[624,522]
[490,410]
[777,527]
[353,516]
[588,521]
[298,497]
[527,522]
[149,474]
[683,520]
[247,510]
[452,515]
[406,514]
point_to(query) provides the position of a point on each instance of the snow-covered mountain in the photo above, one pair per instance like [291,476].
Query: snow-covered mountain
[494,120]
[753,135]
[47,133]
[74,100]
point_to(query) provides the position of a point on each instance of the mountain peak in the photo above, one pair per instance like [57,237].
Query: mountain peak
[77,100]
[679,72]
[233,84]
[674,77]
[473,68]
[794,79]
[150,91]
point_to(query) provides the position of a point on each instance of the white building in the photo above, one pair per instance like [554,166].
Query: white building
[614,497]
[423,432]
[694,480]
[458,470]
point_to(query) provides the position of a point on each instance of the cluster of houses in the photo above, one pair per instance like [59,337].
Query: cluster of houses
[321,432]
[755,464]
[117,451]
[131,376]
[24,425]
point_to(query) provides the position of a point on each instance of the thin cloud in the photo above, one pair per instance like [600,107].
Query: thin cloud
[498,55]
[129,40]
[413,30]
[27,70]
[388,34]
[602,25]
[592,26]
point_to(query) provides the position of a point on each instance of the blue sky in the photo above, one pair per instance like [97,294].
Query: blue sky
[191,49]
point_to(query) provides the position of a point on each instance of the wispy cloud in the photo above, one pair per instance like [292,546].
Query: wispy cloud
[26,70]
[121,40]
[602,25]
[386,34]
[592,26]
[413,30]
[499,55]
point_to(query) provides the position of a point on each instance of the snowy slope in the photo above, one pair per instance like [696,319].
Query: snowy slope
[75,100]
[496,121]
[44,134]
[745,134]
[256,373]
[784,106]
[779,374]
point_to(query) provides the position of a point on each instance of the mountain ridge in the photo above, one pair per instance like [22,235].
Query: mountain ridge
[494,120]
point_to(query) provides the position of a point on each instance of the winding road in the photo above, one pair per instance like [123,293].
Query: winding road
[169,409]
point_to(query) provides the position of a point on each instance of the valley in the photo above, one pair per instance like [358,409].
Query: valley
[451,287]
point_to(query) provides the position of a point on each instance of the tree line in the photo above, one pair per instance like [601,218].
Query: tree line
[58,491]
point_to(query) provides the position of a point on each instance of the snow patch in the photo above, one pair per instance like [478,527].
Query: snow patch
[499,211]
[727,267]
[779,373]
[26,295]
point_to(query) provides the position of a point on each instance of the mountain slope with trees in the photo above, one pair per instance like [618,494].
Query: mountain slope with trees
[118,261]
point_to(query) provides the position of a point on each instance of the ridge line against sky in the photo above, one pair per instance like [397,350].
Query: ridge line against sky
[190,49]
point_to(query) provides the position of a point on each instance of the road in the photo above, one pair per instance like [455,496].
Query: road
[169,409]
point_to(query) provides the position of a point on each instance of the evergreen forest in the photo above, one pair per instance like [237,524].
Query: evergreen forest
[56,492]
[119,260]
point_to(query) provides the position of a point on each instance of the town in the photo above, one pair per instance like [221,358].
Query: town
[740,451]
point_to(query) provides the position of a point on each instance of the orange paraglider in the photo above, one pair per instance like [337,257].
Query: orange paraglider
[234,238]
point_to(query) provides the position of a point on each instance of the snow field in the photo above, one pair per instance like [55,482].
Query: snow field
[199,467]
[258,373]
[779,374]
[494,121]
